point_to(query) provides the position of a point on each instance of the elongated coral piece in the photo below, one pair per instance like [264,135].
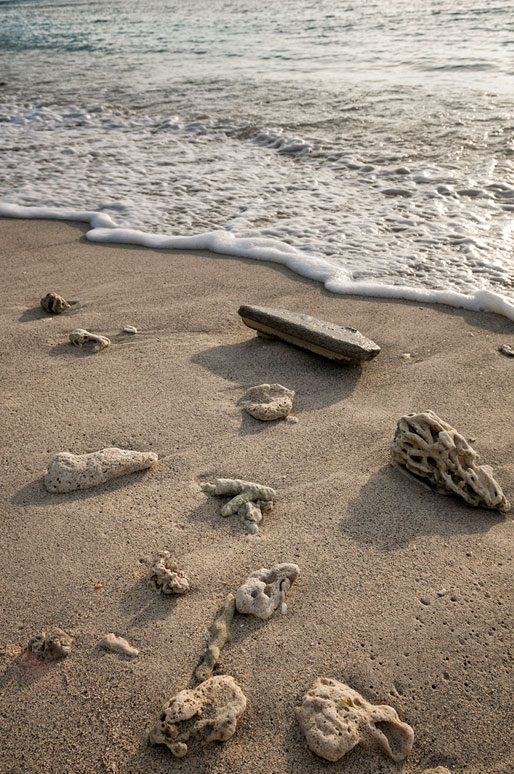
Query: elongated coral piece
[80,337]
[67,472]
[219,635]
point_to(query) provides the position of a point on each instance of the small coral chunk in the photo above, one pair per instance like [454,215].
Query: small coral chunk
[166,576]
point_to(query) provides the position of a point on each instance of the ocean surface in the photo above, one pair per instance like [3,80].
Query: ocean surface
[368,145]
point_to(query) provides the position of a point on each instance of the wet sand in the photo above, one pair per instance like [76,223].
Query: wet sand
[374,547]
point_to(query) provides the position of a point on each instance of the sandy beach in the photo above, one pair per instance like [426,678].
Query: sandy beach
[404,594]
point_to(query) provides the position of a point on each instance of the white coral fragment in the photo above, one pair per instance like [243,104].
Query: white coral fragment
[52,646]
[79,337]
[268,401]
[250,501]
[335,718]
[67,472]
[117,645]
[206,714]
[264,591]
[437,454]
[166,576]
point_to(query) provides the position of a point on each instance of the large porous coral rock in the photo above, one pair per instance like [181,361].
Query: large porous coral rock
[80,337]
[438,455]
[335,718]
[249,500]
[264,590]
[268,401]
[52,646]
[206,714]
[67,472]
[166,575]
[54,303]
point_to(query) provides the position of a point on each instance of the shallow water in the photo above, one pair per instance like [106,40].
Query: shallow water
[369,145]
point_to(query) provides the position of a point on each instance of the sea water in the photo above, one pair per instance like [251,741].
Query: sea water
[368,145]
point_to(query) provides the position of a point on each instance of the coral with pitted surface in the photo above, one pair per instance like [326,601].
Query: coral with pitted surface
[54,303]
[79,337]
[219,635]
[264,590]
[268,401]
[335,719]
[435,453]
[206,714]
[52,646]
[166,575]
[67,472]
[249,500]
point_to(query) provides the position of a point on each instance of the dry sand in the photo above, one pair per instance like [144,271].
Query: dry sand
[374,547]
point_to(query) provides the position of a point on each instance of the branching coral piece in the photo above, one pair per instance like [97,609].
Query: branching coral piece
[335,718]
[54,303]
[79,337]
[117,645]
[437,454]
[250,500]
[51,646]
[67,472]
[206,714]
[268,401]
[167,577]
[264,591]
[219,635]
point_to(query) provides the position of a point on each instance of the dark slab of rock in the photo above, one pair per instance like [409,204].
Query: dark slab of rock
[323,338]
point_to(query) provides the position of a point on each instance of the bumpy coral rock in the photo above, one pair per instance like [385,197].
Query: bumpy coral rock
[79,337]
[166,576]
[51,646]
[206,714]
[264,591]
[249,500]
[335,718]
[117,645]
[438,455]
[54,304]
[67,472]
[268,401]
[219,635]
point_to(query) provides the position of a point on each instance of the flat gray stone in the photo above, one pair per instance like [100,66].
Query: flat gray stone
[323,338]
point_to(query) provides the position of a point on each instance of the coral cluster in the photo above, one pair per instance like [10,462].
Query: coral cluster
[51,646]
[249,500]
[268,401]
[166,576]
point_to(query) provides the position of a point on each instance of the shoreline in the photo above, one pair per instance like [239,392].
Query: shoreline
[373,547]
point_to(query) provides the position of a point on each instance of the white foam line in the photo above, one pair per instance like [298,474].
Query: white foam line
[266,249]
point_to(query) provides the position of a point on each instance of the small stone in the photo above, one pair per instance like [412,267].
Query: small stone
[506,350]
[117,645]
[406,356]
[54,304]
[80,337]
[268,401]
[323,338]
[442,592]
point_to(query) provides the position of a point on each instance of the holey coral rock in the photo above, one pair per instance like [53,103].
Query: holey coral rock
[67,472]
[249,500]
[335,718]
[54,303]
[264,591]
[436,454]
[166,576]
[268,401]
[52,646]
[206,714]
